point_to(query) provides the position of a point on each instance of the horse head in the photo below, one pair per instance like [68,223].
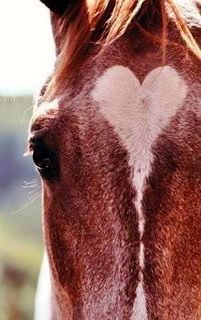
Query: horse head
[115,139]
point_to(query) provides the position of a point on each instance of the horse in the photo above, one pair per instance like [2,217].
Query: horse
[115,136]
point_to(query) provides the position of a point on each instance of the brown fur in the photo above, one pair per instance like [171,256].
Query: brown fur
[90,24]
[173,233]
[90,221]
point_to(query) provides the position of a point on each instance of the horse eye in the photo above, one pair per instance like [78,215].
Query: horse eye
[46,160]
[41,161]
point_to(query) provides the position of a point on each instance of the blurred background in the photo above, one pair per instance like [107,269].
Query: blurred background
[26,59]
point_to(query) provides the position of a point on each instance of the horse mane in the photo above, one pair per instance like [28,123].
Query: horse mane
[90,23]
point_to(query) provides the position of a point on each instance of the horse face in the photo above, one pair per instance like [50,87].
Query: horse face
[120,186]
[111,160]
[91,225]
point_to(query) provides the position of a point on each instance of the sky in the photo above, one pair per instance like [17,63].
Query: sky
[26,46]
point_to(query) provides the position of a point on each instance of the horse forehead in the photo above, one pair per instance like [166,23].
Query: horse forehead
[120,82]
[139,111]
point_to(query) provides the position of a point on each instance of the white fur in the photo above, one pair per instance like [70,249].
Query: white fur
[189,11]
[45,108]
[43,294]
[139,113]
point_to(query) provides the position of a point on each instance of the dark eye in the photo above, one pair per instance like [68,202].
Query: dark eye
[45,159]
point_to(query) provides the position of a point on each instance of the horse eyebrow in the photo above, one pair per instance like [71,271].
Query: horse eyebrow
[44,116]
[45,108]
[35,139]
[40,125]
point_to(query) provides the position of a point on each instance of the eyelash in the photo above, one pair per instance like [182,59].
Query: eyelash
[46,160]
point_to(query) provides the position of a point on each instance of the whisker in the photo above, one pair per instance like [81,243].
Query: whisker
[33,191]
[34,195]
[30,182]
[30,187]
[19,211]
[25,113]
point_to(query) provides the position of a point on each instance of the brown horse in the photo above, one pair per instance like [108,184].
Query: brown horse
[115,136]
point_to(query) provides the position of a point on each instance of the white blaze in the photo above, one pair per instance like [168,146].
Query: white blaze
[139,113]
